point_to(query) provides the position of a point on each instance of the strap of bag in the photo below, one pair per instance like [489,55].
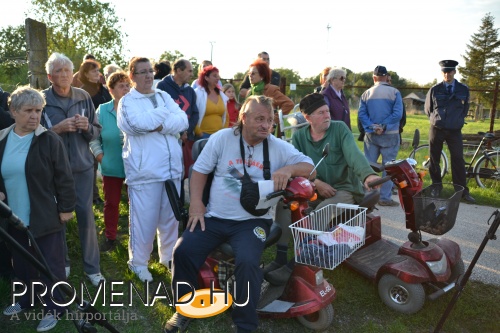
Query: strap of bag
[267,164]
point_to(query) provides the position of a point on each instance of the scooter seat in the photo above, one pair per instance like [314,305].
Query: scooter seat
[274,235]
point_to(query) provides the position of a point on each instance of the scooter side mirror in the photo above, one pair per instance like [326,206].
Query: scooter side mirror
[326,149]
[324,154]
[416,139]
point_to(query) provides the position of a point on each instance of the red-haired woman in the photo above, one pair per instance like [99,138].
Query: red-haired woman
[260,76]
[211,103]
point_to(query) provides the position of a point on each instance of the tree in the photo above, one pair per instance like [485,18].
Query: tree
[291,77]
[77,27]
[13,64]
[171,56]
[175,55]
[482,59]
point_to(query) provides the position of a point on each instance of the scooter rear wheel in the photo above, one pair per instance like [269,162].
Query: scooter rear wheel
[319,320]
[401,296]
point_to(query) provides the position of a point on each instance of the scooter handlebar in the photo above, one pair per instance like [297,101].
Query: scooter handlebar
[275,194]
[380,181]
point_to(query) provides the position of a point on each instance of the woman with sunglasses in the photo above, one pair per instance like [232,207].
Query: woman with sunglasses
[335,98]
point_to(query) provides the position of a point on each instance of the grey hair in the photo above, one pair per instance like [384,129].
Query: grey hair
[336,72]
[245,108]
[25,95]
[111,68]
[57,58]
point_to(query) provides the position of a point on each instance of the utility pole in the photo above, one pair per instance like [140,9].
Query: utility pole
[211,49]
[328,27]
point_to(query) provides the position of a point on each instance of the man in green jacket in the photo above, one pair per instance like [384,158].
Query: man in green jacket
[339,177]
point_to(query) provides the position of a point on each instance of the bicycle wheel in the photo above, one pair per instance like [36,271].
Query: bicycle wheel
[422,155]
[487,170]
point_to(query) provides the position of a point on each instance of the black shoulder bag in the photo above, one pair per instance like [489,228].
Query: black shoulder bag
[249,197]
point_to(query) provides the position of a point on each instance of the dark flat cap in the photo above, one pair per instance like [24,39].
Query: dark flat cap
[311,103]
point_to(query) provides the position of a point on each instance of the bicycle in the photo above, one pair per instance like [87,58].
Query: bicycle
[486,170]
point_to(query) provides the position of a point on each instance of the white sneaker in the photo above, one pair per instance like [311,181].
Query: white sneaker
[13,309]
[95,278]
[47,323]
[142,273]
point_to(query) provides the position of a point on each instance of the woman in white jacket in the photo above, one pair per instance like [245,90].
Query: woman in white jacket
[150,120]
[211,103]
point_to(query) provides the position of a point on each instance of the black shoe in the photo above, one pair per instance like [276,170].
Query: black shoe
[270,267]
[468,198]
[279,276]
[98,201]
[108,245]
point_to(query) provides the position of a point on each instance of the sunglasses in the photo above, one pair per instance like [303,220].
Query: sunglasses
[341,78]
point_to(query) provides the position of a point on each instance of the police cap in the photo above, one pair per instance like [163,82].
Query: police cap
[448,65]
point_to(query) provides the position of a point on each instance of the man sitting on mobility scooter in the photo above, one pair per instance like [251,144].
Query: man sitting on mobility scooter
[234,155]
[337,179]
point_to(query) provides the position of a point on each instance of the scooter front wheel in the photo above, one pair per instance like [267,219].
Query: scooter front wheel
[319,320]
[401,296]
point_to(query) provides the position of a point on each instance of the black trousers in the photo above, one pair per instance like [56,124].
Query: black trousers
[453,138]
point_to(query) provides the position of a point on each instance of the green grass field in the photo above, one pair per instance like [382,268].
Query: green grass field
[358,307]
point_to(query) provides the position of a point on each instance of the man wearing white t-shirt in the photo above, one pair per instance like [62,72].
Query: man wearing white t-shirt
[230,154]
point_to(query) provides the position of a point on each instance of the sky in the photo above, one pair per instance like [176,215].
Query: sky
[408,37]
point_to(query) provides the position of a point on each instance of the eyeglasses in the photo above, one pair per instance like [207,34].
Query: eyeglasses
[341,78]
[151,72]
[251,149]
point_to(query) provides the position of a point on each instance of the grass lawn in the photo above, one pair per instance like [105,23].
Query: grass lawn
[358,307]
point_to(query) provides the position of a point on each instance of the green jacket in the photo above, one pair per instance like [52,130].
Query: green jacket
[345,167]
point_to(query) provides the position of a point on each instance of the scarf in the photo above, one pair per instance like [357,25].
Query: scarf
[257,89]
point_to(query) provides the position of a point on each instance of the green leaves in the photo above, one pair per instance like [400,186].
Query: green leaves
[77,27]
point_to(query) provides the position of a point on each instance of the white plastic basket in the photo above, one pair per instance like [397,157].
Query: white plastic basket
[329,235]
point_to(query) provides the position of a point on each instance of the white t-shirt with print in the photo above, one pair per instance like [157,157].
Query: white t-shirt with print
[222,152]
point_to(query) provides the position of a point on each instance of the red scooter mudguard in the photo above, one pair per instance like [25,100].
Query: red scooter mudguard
[450,248]
[406,269]
[207,274]
[302,290]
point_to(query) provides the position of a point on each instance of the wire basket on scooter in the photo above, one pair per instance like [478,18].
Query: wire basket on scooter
[436,208]
[329,235]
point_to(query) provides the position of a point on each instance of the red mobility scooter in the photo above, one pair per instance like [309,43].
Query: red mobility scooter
[402,271]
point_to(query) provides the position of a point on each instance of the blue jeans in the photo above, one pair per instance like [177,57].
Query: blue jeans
[386,145]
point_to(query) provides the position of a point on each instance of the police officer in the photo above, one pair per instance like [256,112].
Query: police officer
[447,105]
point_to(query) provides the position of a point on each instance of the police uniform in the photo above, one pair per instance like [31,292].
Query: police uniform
[447,105]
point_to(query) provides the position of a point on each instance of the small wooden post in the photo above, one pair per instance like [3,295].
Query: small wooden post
[494,107]
[36,41]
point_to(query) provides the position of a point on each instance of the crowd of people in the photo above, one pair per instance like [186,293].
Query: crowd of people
[138,128]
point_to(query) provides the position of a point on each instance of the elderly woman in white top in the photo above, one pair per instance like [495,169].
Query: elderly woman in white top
[150,120]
